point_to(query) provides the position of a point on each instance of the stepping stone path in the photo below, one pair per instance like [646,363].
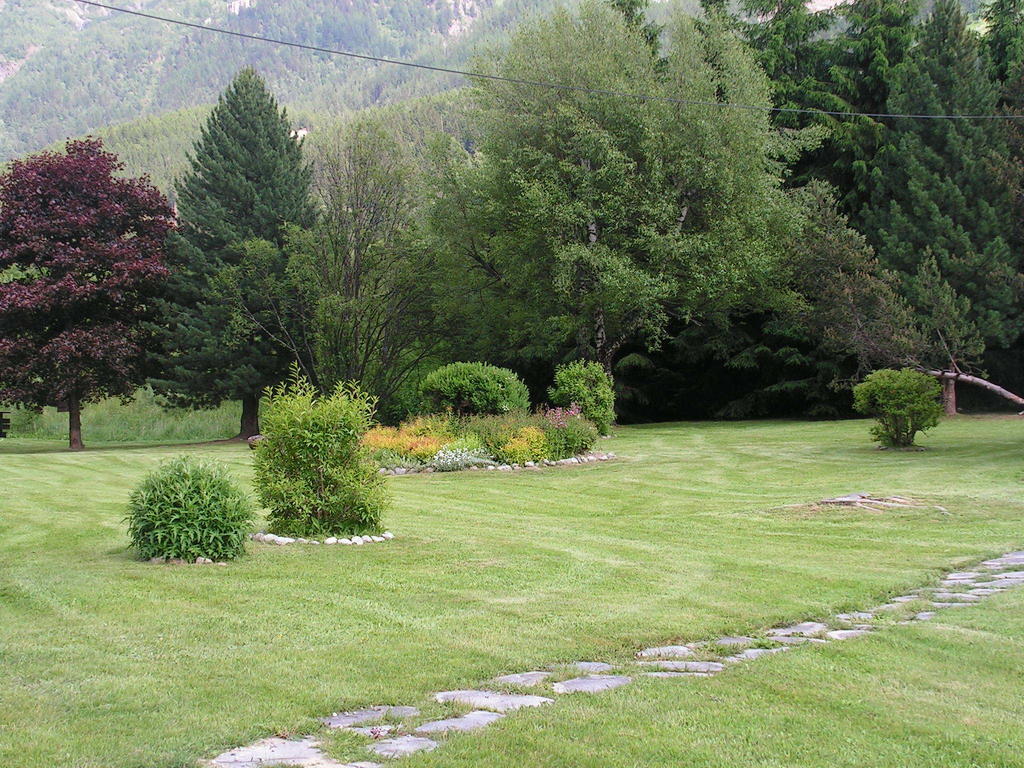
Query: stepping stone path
[496,702]
[470,722]
[591,684]
[667,661]
[524,678]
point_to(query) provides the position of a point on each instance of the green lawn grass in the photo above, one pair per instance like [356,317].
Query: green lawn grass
[113,663]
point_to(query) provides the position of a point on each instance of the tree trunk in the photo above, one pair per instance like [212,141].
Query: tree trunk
[75,423]
[978,382]
[250,417]
[949,396]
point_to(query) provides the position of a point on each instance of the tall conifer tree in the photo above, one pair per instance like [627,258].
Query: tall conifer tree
[247,179]
[935,190]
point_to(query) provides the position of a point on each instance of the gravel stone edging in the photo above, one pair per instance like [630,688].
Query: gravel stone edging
[270,538]
[583,458]
[990,577]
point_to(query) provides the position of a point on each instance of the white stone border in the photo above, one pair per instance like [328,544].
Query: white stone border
[583,458]
[270,538]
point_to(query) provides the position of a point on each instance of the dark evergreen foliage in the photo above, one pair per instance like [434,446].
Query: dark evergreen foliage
[247,180]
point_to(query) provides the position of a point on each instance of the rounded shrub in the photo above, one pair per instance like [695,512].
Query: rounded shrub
[585,383]
[475,388]
[189,508]
[568,434]
[904,403]
[312,471]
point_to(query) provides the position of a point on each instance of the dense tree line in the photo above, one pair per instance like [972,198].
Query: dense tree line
[715,260]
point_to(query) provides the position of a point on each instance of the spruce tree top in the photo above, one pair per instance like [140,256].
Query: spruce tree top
[248,176]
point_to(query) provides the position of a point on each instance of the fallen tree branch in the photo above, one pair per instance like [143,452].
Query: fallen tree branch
[978,382]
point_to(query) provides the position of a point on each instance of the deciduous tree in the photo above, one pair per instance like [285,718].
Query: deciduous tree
[81,263]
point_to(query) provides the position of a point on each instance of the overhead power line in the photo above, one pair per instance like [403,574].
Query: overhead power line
[536,83]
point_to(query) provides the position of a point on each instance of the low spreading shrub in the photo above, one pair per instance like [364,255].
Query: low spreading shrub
[312,470]
[405,443]
[475,388]
[189,508]
[453,459]
[568,432]
[525,444]
[494,432]
[585,383]
[904,403]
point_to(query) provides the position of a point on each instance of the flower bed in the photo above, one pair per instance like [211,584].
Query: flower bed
[448,443]
[493,466]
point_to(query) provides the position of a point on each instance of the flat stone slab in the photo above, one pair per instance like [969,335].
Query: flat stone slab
[373,731]
[495,702]
[905,599]
[687,666]
[593,666]
[665,674]
[925,615]
[666,650]
[951,596]
[1009,575]
[368,715]
[984,591]
[963,575]
[855,616]
[275,751]
[401,746]
[470,722]
[730,640]
[804,628]
[941,604]
[524,678]
[755,653]
[846,634]
[591,684]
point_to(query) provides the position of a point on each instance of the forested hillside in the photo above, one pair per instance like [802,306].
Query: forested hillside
[67,69]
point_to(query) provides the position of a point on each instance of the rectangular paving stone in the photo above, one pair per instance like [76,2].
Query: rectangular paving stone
[495,702]
[755,653]
[367,715]
[524,678]
[401,746]
[687,666]
[275,751]
[846,634]
[591,684]
[804,628]
[593,666]
[666,650]
[666,674]
[734,640]
[469,722]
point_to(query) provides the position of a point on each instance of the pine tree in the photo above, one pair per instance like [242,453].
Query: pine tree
[1005,39]
[877,37]
[936,189]
[247,179]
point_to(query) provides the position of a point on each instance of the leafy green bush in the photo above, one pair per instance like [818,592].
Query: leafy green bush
[904,403]
[586,384]
[475,388]
[311,469]
[189,508]
[568,435]
[525,444]
[494,431]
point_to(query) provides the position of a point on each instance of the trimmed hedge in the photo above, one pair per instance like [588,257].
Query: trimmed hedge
[468,389]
